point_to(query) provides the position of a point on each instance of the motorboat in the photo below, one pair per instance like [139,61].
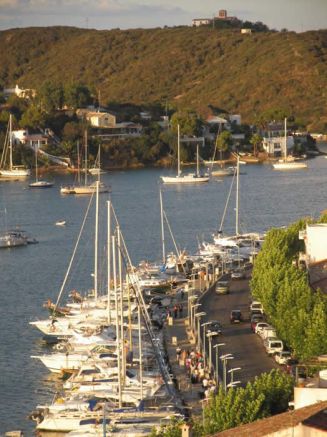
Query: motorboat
[61,223]
[13,238]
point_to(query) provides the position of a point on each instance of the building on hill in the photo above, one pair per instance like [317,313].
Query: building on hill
[196,22]
[309,421]
[19,92]
[221,16]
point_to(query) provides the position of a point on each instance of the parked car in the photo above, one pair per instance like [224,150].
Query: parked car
[238,274]
[283,357]
[235,316]
[269,331]
[273,345]
[259,327]
[255,319]
[214,326]
[222,287]
[256,306]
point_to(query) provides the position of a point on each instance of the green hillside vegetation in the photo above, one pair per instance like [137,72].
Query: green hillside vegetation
[298,313]
[200,68]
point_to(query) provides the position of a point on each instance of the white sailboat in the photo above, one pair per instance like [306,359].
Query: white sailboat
[96,169]
[9,170]
[190,178]
[288,163]
[222,170]
[85,188]
[39,183]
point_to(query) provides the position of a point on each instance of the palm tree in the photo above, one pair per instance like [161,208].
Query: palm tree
[256,140]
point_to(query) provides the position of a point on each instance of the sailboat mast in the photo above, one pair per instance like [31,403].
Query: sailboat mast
[197,161]
[10,142]
[285,138]
[178,152]
[85,157]
[113,238]
[162,230]
[96,242]
[109,261]
[78,165]
[36,152]
[237,196]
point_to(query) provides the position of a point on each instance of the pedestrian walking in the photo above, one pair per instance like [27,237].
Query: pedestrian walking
[180,310]
[175,311]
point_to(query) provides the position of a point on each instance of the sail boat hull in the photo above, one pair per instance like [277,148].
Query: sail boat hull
[84,189]
[15,173]
[290,166]
[41,184]
[184,179]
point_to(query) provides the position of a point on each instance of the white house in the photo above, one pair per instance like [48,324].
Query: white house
[22,93]
[275,145]
[196,22]
[313,391]
[101,119]
[235,118]
[315,239]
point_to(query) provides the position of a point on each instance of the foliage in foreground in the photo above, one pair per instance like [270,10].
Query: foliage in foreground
[268,394]
[298,313]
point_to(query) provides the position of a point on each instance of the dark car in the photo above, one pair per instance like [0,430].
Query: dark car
[235,316]
[214,326]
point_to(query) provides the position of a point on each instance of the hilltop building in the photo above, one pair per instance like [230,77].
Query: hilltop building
[19,92]
[221,16]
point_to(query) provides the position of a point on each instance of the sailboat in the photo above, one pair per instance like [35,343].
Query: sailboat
[222,171]
[288,163]
[11,171]
[190,178]
[96,169]
[39,183]
[85,188]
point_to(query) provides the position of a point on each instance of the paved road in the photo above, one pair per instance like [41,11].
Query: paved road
[241,342]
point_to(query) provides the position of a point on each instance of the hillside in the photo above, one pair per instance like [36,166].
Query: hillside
[184,66]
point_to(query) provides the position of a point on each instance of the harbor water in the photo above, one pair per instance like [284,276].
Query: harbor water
[30,275]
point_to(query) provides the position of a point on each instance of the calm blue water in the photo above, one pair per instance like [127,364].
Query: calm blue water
[32,274]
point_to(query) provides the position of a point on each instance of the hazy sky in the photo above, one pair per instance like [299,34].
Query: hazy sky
[298,15]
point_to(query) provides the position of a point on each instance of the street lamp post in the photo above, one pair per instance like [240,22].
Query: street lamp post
[217,346]
[210,335]
[189,302]
[224,359]
[204,326]
[198,316]
[192,317]
[231,371]
[233,384]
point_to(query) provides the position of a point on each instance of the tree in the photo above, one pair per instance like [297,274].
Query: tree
[256,140]
[297,312]
[76,95]
[51,96]
[189,122]
[223,142]
[33,117]
[268,394]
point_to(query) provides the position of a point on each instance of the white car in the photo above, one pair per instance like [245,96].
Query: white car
[238,274]
[259,327]
[256,306]
[282,357]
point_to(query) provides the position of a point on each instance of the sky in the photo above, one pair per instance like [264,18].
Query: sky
[297,15]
